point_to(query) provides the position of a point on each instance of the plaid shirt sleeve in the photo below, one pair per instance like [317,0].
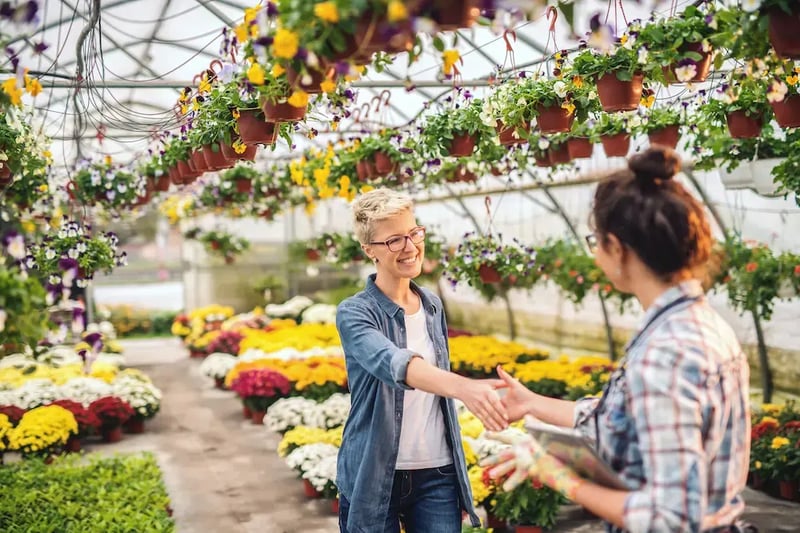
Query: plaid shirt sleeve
[665,396]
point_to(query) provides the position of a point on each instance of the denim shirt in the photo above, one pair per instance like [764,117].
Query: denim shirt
[372,330]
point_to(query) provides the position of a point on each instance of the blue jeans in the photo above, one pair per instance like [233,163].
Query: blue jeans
[425,501]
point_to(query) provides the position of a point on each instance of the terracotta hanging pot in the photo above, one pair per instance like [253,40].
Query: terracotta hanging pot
[784,31]
[175,176]
[787,112]
[254,130]
[199,161]
[742,126]
[249,153]
[383,164]
[489,274]
[616,145]
[510,136]
[559,155]
[5,174]
[702,67]
[454,15]
[617,95]
[543,160]
[667,136]
[463,175]
[554,119]
[375,34]
[463,145]
[162,183]
[283,112]
[365,170]
[580,148]
[244,185]
[215,158]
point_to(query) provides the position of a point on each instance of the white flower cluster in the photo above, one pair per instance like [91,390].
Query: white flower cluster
[144,397]
[33,393]
[19,360]
[290,354]
[288,413]
[110,359]
[306,457]
[329,414]
[61,356]
[322,472]
[288,309]
[218,364]
[85,390]
[319,314]
[105,327]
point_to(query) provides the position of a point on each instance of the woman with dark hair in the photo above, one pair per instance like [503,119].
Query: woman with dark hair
[674,419]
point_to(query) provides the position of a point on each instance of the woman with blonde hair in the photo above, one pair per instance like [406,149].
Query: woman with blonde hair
[401,458]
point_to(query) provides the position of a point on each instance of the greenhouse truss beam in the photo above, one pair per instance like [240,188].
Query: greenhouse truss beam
[587,180]
[216,12]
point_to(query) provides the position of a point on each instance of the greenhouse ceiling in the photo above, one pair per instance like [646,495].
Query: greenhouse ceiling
[112,71]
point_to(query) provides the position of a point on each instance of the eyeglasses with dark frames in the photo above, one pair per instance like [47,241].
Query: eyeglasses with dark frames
[395,244]
[591,242]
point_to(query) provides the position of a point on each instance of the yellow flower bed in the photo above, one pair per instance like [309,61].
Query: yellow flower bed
[302,435]
[16,377]
[215,311]
[482,354]
[317,370]
[574,372]
[42,428]
[480,492]
[5,428]
[303,337]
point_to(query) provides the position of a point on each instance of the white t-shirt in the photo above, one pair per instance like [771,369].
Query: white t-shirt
[423,443]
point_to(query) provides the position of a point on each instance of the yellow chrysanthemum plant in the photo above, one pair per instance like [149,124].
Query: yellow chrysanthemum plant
[302,435]
[42,431]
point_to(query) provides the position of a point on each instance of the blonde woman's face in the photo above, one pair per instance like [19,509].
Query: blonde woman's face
[404,259]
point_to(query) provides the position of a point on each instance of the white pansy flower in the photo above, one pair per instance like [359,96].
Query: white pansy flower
[751,5]
[560,88]
[642,58]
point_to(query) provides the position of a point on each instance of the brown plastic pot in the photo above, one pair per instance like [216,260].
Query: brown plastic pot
[559,155]
[454,15]
[554,119]
[215,160]
[742,126]
[313,85]
[244,185]
[616,145]
[617,95]
[199,162]
[506,134]
[365,170]
[463,145]
[702,67]
[254,130]
[162,183]
[383,164]
[667,136]
[284,112]
[787,113]
[784,31]
[580,148]
[249,153]
[489,274]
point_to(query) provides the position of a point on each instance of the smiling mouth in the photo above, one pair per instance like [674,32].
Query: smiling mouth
[408,260]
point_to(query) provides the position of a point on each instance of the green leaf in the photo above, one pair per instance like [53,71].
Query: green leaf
[438,43]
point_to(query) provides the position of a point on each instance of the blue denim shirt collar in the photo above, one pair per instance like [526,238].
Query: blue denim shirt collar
[388,306]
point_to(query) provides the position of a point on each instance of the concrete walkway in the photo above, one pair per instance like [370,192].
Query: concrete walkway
[224,475]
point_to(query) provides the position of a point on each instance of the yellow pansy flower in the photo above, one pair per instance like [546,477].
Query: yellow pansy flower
[569,107]
[577,81]
[450,58]
[14,93]
[327,85]
[32,85]
[239,147]
[255,74]
[649,100]
[241,31]
[327,11]
[299,98]
[285,43]
[366,188]
[205,85]
[278,70]
[396,11]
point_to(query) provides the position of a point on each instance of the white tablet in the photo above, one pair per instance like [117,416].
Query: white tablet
[575,451]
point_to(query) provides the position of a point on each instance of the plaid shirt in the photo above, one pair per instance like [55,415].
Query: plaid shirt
[674,419]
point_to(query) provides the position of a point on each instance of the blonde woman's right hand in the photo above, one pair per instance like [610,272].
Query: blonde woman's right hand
[481,398]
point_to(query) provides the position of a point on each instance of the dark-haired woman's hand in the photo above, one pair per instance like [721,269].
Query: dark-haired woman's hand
[517,399]
[481,398]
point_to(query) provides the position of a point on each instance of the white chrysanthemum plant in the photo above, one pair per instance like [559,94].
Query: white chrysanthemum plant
[322,476]
[334,411]
[85,390]
[217,365]
[319,314]
[305,458]
[288,413]
[34,393]
[145,398]
[19,360]
[60,356]
[289,309]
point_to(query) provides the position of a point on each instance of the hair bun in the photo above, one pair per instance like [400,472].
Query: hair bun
[655,163]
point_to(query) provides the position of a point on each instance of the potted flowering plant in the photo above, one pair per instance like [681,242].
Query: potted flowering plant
[288,413]
[662,125]
[216,366]
[237,183]
[259,388]
[783,93]
[456,131]
[754,275]
[322,476]
[619,76]
[556,102]
[303,458]
[23,300]
[224,244]
[142,396]
[74,248]
[614,131]
[531,506]
[87,422]
[680,45]
[579,143]
[112,412]
[784,28]
[226,342]
[42,431]
[375,156]
[741,105]
[23,153]
[486,263]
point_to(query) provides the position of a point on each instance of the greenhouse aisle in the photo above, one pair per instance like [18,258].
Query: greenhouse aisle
[224,475]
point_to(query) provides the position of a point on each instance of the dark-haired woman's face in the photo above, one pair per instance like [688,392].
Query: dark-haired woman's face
[609,255]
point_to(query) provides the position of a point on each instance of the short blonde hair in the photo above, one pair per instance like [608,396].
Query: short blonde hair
[376,205]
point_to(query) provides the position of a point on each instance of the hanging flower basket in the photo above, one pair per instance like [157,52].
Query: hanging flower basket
[580,148]
[284,112]
[702,67]
[199,161]
[554,119]
[365,170]
[787,112]
[313,255]
[244,186]
[454,15]
[489,274]
[559,155]
[755,175]
[254,130]
[185,173]
[383,164]
[616,145]
[743,126]
[617,95]
[509,136]
[463,145]
[313,79]
[375,34]
[5,174]
[463,175]
[784,31]
[215,160]
[162,183]
[248,155]
[667,136]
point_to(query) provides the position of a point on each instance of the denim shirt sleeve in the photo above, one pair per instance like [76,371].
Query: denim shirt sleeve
[363,341]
